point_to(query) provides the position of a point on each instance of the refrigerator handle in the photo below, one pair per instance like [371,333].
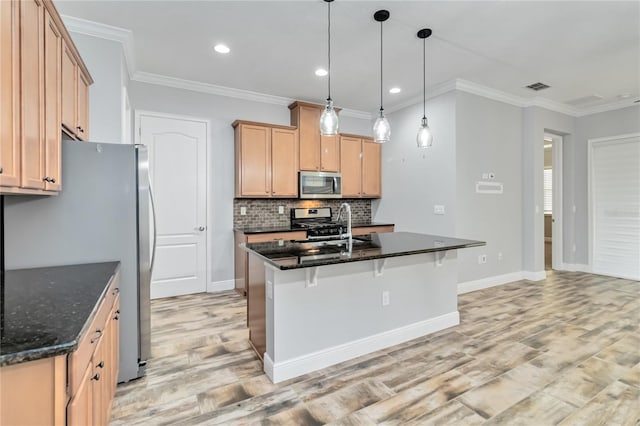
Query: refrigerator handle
[155,228]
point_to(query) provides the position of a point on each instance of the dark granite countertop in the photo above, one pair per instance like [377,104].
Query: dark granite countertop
[46,309]
[294,255]
[287,228]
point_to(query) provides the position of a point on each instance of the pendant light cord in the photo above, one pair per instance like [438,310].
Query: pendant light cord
[381,109]
[329,50]
[424,78]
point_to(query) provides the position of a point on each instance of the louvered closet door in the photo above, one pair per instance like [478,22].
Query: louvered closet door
[615,198]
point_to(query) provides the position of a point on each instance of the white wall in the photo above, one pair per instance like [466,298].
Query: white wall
[610,123]
[221,111]
[105,61]
[488,139]
[414,179]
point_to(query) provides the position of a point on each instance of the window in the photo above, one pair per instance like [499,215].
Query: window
[548,193]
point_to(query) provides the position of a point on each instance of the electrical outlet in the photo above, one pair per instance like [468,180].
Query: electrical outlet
[280,209]
[385,298]
[243,211]
[482,259]
[438,209]
[485,176]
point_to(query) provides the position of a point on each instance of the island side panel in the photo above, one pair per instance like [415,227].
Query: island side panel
[343,317]
[256,305]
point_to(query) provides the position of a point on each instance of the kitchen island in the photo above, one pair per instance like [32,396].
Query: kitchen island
[315,304]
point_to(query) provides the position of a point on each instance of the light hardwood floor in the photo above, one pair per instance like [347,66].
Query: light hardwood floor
[561,351]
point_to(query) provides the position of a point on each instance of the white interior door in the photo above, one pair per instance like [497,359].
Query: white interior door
[615,206]
[177,173]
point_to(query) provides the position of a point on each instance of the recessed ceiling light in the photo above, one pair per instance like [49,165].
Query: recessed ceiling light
[221,48]
[321,72]
[395,90]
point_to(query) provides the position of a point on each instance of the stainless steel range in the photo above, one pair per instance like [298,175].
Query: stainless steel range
[317,222]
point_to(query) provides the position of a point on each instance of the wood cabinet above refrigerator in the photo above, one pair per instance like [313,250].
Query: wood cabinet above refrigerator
[33,45]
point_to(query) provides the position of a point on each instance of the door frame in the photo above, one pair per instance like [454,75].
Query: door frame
[591,143]
[557,230]
[139,113]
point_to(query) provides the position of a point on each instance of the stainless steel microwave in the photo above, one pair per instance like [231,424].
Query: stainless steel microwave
[320,185]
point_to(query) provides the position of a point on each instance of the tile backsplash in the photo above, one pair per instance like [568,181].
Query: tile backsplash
[264,212]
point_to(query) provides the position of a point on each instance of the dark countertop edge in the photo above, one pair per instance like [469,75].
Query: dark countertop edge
[60,348]
[250,230]
[363,258]
[37,354]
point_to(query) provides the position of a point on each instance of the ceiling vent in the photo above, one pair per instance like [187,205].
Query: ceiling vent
[538,86]
[585,100]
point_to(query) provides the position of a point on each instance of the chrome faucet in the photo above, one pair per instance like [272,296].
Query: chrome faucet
[347,208]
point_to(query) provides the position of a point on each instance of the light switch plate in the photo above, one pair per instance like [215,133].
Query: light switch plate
[438,209]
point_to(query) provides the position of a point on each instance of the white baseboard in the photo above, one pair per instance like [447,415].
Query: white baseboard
[295,367]
[534,276]
[221,285]
[469,286]
[576,267]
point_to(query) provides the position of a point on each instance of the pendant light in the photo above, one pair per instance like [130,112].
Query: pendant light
[425,137]
[381,128]
[329,118]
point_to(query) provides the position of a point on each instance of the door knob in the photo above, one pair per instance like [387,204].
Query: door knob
[202,228]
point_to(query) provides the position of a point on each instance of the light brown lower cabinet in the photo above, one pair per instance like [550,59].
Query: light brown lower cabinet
[241,256]
[73,389]
[364,230]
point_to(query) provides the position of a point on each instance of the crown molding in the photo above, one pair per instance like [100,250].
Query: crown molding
[107,32]
[212,89]
[625,103]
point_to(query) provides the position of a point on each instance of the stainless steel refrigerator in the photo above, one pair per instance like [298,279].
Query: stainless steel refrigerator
[103,213]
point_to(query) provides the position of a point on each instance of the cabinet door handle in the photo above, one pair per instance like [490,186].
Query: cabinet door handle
[100,364]
[49,179]
[115,291]
[99,334]
[96,377]
[80,129]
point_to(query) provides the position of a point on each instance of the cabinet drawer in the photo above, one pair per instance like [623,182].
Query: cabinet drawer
[263,238]
[371,230]
[79,359]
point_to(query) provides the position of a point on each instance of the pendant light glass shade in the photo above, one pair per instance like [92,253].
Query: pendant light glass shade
[425,137]
[381,129]
[329,118]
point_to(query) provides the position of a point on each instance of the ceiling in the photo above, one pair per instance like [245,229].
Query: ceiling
[578,48]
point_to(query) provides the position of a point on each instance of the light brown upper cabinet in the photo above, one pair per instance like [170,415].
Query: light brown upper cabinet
[75,96]
[9,95]
[360,160]
[33,44]
[52,136]
[266,158]
[317,152]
